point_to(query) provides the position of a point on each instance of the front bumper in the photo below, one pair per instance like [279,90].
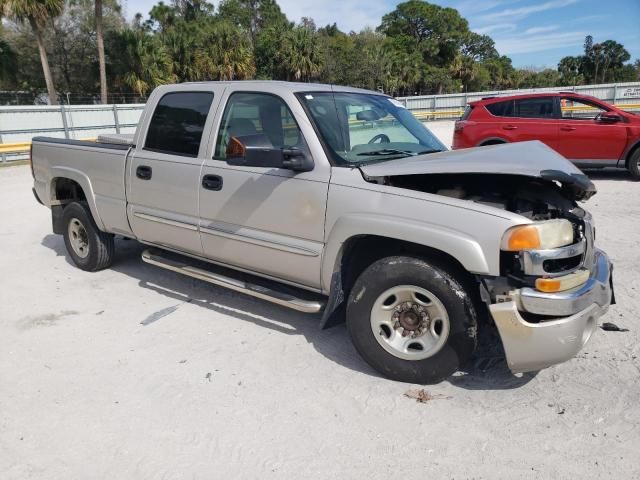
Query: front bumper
[534,346]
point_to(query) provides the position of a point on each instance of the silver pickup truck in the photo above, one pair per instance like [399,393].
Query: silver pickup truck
[337,200]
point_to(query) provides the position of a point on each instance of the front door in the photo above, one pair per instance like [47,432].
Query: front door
[162,190]
[587,140]
[268,220]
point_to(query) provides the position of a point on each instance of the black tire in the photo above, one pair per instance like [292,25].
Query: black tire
[390,272]
[98,253]
[634,164]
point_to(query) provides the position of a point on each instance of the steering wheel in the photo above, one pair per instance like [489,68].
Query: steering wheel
[382,137]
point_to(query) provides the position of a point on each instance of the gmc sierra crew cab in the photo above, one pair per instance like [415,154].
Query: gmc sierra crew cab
[337,200]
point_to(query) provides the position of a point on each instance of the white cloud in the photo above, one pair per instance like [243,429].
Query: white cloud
[498,27]
[523,12]
[534,30]
[348,14]
[539,43]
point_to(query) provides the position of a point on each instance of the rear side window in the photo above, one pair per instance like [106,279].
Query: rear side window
[539,107]
[177,123]
[501,109]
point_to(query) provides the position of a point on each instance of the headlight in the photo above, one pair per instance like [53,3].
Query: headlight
[538,236]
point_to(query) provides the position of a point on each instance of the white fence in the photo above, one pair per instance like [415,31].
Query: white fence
[449,106]
[19,124]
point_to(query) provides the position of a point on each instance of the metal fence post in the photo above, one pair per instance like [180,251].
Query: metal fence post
[115,118]
[64,121]
[615,93]
[4,155]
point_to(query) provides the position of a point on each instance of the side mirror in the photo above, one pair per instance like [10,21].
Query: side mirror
[609,117]
[257,151]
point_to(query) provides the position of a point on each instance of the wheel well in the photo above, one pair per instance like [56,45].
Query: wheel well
[66,190]
[361,251]
[493,141]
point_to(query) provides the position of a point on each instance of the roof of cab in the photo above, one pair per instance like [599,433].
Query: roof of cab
[284,86]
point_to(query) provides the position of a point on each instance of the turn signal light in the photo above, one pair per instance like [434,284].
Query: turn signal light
[523,238]
[560,284]
[548,285]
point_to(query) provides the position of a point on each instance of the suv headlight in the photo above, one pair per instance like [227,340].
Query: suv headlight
[538,236]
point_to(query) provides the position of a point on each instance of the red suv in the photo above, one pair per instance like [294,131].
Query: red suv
[586,130]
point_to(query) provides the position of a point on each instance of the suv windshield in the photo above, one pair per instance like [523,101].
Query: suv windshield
[361,128]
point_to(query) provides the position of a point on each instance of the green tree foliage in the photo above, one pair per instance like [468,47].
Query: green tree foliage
[37,14]
[418,48]
[601,63]
[8,62]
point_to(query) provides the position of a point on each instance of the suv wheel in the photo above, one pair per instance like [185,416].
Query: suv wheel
[411,321]
[634,164]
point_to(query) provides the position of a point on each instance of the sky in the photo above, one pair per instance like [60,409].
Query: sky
[534,33]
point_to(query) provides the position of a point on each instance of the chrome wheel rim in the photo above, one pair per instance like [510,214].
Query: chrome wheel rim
[410,322]
[78,238]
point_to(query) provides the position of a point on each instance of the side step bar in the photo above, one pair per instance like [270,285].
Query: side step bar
[264,293]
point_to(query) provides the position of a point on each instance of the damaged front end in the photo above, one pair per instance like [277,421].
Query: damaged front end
[553,282]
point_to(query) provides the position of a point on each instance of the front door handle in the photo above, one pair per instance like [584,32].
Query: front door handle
[143,172]
[567,129]
[509,127]
[212,182]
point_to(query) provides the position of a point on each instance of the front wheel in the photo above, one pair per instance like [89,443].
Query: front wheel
[634,164]
[90,248]
[411,321]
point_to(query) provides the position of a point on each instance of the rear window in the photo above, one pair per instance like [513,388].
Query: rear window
[467,112]
[177,123]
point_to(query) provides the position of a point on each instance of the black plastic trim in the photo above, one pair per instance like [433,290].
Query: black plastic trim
[81,143]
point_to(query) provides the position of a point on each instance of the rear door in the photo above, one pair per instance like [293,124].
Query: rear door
[531,118]
[585,139]
[164,171]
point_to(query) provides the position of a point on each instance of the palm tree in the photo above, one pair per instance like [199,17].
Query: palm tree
[303,56]
[227,54]
[101,61]
[36,13]
[146,62]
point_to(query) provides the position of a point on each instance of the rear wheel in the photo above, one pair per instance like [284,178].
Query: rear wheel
[89,248]
[412,321]
[634,164]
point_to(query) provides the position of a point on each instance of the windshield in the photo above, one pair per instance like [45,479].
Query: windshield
[362,128]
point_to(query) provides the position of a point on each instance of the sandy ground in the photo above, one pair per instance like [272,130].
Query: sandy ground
[138,373]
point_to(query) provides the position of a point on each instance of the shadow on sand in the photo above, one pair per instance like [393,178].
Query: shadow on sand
[487,370]
[617,174]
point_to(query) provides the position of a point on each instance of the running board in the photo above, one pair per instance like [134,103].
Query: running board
[259,291]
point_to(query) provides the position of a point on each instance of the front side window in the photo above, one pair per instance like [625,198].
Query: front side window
[360,128]
[178,122]
[539,107]
[258,114]
[571,108]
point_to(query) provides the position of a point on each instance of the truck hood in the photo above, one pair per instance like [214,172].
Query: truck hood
[529,159]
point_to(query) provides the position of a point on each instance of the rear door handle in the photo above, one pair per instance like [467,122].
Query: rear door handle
[568,129]
[143,172]
[212,182]
[509,127]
